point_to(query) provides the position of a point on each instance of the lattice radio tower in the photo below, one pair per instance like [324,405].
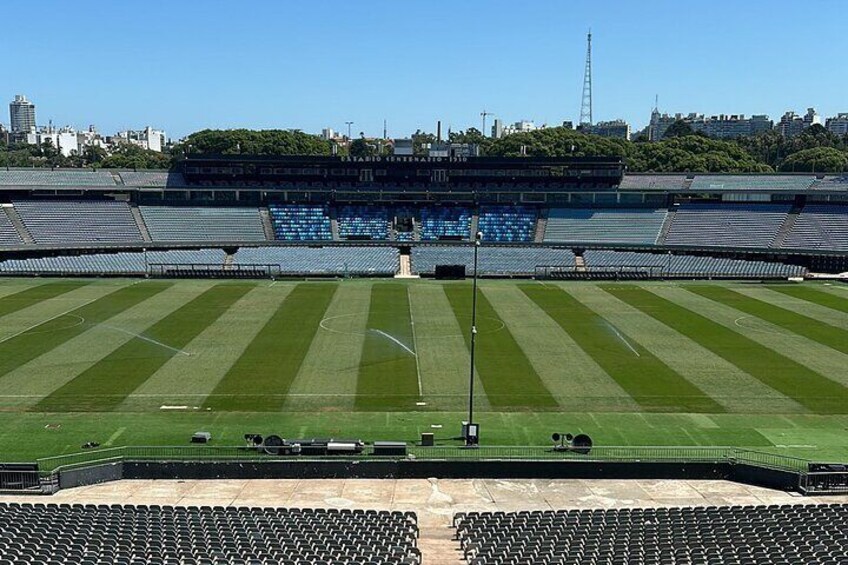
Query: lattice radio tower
[586,104]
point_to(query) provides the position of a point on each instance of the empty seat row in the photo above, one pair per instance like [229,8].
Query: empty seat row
[507,223]
[491,260]
[604,225]
[341,261]
[363,221]
[152,178]
[819,227]
[8,234]
[785,534]
[438,223]
[78,221]
[47,177]
[688,265]
[300,223]
[123,263]
[195,223]
[116,534]
[727,225]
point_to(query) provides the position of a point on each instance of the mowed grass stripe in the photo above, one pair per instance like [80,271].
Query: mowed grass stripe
[442,354]
[30,383]
[797,323]
[785,375]
[722,381]
[30,296]
[186,380]
[823,314]
[651,383]
[814,295]
[388,377]
[261,377]
[44,337]
[106,384]
[573,377]
[507,374]
[329,381]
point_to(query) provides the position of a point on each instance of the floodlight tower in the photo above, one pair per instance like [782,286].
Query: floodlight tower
[586,104]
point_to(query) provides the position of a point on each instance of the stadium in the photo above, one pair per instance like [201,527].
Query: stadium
[656,369]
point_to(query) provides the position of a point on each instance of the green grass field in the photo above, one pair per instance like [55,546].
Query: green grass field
[127,362]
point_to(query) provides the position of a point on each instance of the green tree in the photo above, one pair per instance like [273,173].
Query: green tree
[252,142]
[361,148]
[678,129]
[816,160]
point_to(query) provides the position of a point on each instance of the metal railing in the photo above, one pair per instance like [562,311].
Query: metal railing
[206,453]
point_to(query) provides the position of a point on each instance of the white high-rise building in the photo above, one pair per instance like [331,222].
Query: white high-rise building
[148,138]
[22,115]
[838,124]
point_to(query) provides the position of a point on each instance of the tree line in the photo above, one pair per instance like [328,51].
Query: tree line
[681,150]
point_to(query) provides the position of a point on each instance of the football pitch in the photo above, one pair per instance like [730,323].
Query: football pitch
[149,362]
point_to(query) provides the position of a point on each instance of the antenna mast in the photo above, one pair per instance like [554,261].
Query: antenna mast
[586,104]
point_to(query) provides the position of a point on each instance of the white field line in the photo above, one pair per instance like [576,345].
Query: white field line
[114,436]
[623,339]
[65,313]
[147,339]
[414,341]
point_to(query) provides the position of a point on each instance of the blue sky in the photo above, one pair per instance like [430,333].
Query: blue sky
[184,65]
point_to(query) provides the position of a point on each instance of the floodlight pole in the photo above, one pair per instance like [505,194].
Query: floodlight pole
[478,238]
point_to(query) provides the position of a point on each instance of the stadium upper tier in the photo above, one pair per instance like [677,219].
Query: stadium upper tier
[621,225]
[63,221]
[516,175]
[812,228]
[188,223]
[727,225]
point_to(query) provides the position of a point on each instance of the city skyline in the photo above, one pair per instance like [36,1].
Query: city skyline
[218,67]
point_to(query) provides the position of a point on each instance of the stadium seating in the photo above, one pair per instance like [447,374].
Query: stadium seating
[607,225]
[726,225]
[177,223]
[657,182]
[491,260]
[47,177]
[507,223]
[111,263]
[706,183]
[363,221]
[8,233]
[339,260]
[689,266]
[731,535]
[453,222]
[81,221]
[152,178]
[820,227]
[831,182]
[159,535]
[300,223]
